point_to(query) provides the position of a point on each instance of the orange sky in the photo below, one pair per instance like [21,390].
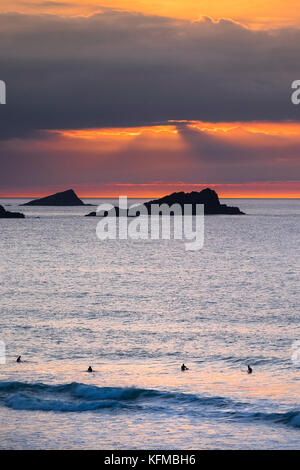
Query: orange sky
[113,162]
[254,13]
[265,190]
[172,148]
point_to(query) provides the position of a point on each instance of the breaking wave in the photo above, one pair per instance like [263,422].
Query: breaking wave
[79,397]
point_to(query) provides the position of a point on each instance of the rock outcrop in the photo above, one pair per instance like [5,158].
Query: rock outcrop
[208,197]
[4,214]
[65,198]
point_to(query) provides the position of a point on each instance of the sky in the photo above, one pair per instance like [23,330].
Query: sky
[143,98]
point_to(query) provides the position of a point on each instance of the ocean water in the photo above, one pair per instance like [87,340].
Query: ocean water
[135,310]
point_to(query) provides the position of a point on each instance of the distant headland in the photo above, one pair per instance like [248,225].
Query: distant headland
[208,197]
[65,198]
[4,214]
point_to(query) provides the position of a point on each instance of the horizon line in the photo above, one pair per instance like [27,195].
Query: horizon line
[156,196]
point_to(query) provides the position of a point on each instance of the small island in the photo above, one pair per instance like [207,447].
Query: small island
[4,214]
[65,198]
[208,197]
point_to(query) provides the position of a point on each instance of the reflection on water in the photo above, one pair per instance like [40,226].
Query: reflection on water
[135,311]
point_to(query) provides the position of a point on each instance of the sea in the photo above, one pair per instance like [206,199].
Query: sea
[135,310]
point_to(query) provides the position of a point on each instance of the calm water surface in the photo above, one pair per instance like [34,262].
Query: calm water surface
[135,310]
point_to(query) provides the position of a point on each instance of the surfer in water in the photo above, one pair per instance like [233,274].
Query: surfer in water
[90,369]
[19,359]
[249,370]
[184,367]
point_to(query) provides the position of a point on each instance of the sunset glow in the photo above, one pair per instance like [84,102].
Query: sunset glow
[256,14]
[149,98]
[115,160]
[149,213]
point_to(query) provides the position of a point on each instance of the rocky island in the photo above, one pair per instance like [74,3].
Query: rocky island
[208,197]
[4,214]
[65,198]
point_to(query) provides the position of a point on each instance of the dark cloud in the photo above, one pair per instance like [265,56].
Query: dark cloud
[239,146]
[242,156]
[123,69]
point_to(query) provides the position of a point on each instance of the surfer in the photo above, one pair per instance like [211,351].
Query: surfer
[249,370]
[90,369]
[19,359]
[183,367]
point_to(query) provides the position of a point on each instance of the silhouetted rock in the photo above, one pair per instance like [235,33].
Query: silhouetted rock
[10,215]
[65,198]
[208,197]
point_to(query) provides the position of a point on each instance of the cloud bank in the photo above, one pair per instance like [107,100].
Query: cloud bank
[118,70]
[124,69]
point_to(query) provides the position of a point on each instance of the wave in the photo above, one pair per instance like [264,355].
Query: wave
[21,402]
[289,418]
[79,390]
[80,397]
[72,397]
